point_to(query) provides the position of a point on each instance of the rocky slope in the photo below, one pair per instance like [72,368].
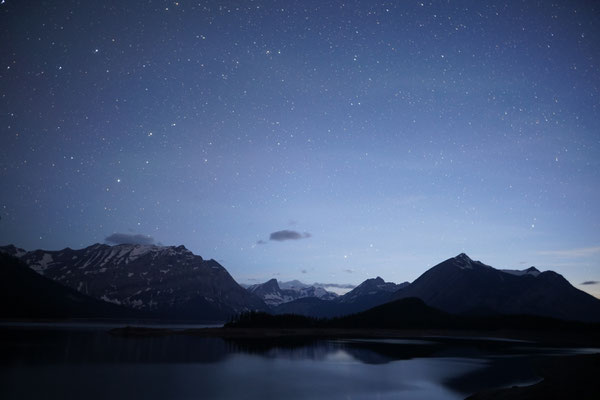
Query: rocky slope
[27,295]
[273,295]
[168,280]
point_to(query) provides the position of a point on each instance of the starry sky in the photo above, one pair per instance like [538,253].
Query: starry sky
[327,141]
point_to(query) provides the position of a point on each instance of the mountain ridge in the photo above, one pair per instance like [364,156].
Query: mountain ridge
[461,285]
[171,280]
[27,294]
[168,280]
[273,295]
[370,293]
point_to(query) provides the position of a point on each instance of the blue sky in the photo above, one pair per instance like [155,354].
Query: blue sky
[396,134]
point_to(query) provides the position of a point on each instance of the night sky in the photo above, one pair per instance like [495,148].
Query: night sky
[322,141]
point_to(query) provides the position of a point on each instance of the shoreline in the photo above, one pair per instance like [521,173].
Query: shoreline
[556,339]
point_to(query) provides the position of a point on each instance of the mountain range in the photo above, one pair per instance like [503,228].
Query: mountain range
[370,293]
[166,281]
[273,295]
[171,282]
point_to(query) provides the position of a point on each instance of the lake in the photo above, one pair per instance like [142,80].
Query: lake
[77,361]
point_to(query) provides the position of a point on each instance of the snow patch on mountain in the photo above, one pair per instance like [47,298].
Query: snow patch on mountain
[147,277]
[273,294]
[43,264]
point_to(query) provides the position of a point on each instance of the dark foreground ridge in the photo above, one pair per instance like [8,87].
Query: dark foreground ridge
[409,317]
[412,314]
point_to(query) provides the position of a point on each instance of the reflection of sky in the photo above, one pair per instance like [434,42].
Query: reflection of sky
[396,135]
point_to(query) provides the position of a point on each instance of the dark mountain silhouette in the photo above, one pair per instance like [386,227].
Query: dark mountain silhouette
[461,285]
[164,280]
[412,313]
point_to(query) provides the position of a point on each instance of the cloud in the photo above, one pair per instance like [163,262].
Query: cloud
[304,271]
[579,252]
[285,234]
[336,285]
[349,271]
[129,238]
[590,283]
[261,242]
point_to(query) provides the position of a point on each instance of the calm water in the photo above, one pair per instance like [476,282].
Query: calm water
[78,362]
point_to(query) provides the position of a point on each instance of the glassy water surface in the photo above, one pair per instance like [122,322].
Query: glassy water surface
[37,362]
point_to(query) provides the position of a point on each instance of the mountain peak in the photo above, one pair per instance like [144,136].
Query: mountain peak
[463,256]
[12,250]
[270,286]
[372,282]
[463,261]
[532,269]
[148,277]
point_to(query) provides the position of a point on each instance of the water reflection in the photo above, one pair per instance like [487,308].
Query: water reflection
[94,364]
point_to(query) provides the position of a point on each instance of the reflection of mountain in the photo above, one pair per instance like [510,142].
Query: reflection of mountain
[381,351]
[202,366]
[97,347]
[461,285]
[518,370]
[166,280]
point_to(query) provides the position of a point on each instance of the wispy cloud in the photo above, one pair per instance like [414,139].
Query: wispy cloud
[336,285]
[578,252]
[590,283]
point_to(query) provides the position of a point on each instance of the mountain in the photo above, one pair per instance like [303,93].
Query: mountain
[167,280]
[462,285]
[26,294]
[370,293]
[273,295]
[375,289]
